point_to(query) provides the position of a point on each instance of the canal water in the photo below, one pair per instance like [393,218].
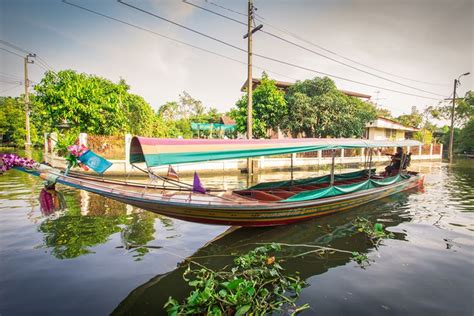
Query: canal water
[102,257]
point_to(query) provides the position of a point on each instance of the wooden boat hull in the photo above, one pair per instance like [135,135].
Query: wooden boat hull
[232,209]
[271,214]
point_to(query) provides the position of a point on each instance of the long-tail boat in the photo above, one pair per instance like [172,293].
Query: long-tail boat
[264,204]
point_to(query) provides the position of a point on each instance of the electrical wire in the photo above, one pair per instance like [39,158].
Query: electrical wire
[312,51]
[171,38]
[14,47]
[40,62]
[7,75]
[269,58]
[228,9]
[265,21]
[10,88]
[10,81]
[13,53]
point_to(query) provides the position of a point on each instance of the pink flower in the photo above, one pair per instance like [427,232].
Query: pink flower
[77,150]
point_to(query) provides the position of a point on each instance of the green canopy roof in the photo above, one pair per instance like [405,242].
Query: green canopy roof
[156,152]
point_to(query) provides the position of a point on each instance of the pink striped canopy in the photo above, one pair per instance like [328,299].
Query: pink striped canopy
[163,151]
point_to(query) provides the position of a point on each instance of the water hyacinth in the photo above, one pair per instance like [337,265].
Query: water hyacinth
[8,161]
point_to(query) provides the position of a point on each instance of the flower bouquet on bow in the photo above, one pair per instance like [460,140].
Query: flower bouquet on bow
[8,161]
[81,156]
[74,152]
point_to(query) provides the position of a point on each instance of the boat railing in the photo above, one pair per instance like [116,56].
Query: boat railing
[202,199]
[153,196]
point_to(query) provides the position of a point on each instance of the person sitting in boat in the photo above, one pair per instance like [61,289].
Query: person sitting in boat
[395,164]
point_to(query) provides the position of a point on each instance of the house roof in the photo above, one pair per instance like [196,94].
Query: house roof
[285,85]
[227,120]
[383,122]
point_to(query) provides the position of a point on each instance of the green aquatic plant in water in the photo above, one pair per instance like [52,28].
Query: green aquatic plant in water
[255,284]
[375,234]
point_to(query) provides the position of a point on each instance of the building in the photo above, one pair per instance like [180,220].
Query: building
[285,85]
[386,129]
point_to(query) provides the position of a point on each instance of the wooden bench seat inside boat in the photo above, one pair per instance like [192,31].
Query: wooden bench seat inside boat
[259,195]
[277,194]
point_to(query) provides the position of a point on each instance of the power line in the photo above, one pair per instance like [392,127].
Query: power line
[7,75]
[169,38]
[40,62]
[228,9]
[265,21]
[13,53]
[314,52]
[10,81]
[269,58]
[14,47]
[8,89]
[349,59]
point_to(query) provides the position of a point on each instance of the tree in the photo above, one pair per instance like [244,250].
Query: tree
[466,139]
[169,111]
[92,104]
[12,122]
[424,135]
[463,112]
[189,107]
[268,109]
[140,115]
[383,112]
[415,119]
[316,108]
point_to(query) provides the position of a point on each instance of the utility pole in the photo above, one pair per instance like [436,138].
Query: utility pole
[250,31]
[27,99]
[451,136]
[249,70]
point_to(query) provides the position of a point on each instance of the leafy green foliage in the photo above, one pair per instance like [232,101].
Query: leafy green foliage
[463,112]
[268,108]
[463,130]
[316,108]
[413,119]
[177,116]
[255,285]
[424,135]
[466,137]
[12,122]
[384,112]
[374,232]
[92,104]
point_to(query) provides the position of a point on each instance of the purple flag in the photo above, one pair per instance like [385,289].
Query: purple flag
[197,185]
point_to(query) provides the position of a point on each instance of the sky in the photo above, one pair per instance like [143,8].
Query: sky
[424,44]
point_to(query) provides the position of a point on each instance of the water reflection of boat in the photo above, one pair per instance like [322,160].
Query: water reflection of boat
[265,204]
[336,231]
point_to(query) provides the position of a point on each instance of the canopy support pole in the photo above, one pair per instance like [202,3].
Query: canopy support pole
[370,162]
[402,162]
[332,167]
[292,164]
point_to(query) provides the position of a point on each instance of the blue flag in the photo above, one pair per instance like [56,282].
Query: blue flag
[95,162]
